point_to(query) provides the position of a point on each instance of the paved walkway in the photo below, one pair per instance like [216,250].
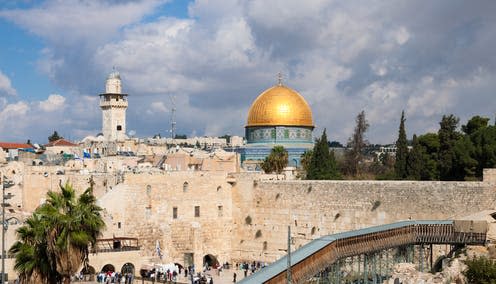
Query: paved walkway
[224,277]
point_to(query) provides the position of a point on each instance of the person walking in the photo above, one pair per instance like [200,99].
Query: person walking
[234,277]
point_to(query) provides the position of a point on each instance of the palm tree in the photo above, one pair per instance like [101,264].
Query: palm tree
[58,234]
[276,161]
[31,256]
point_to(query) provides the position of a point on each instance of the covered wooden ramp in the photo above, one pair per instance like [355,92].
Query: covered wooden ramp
[322,253]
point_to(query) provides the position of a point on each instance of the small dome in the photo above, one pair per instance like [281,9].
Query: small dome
[280,105]
[114,75]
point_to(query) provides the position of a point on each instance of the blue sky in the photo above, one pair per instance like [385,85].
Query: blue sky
[214,57]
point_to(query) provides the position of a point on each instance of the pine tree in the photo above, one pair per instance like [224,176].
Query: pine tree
[414,163]
[400,164]
[447,139]
[54,137]
[322,164]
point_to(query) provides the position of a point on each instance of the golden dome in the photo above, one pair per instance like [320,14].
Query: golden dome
[280,105]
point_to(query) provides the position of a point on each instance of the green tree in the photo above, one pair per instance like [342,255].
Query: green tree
[356,145]
[484,149]
[474,124]
[323,163]
[480,271]
[414,162]
[54,137]
[429,149]
[53,244]
[400,164]
[305,160]
[32,260]
[447,139]
[276,161]
[464,165]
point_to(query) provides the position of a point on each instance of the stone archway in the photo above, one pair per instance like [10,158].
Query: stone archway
[88,272]
[210,261]
[127,268]
[108,267]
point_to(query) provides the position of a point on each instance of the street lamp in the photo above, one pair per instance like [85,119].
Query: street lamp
[5,184]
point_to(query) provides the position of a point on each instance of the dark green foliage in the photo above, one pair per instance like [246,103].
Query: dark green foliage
[400,165]
[322,164]
[375,205]
[414,162]
[335,144]
[474,124]
[258,234]
[276,161]
[180,136]
[447,139]
[480,271]
[248,219]
[53,243]
[356,145]
[382,168]
[305,160]
[429,149]
[484,148]
[464,166]
[54,137]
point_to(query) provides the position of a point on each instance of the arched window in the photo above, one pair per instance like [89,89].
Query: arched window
[148,190]
[185,186]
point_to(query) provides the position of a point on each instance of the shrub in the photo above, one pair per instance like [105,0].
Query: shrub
[480,270]
[248,220]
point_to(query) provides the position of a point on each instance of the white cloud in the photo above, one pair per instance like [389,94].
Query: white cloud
[52,103]
[6,88]
[344,57]
[158,107]
[401,35]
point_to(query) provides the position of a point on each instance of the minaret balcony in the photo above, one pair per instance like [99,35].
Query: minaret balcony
[113,103]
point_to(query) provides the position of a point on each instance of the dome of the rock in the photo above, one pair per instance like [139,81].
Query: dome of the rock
[280,106]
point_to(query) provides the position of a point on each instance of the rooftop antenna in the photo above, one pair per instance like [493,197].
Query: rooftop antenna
[173,117]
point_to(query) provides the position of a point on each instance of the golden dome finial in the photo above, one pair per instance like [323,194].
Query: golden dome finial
[279,79]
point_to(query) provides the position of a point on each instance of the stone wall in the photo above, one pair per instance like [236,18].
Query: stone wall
[242,216]
[318,208]
[142,207]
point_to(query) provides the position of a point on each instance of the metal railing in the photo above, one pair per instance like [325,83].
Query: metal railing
[323,252]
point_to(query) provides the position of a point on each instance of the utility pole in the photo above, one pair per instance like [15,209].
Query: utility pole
[5,184]
[288,271]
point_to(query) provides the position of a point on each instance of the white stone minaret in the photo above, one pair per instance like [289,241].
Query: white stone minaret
[113,104]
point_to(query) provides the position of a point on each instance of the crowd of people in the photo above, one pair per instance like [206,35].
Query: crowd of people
[114,277]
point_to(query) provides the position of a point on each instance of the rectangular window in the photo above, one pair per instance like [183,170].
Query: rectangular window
[174,212]
[219,210]
[197,211]
[118,225]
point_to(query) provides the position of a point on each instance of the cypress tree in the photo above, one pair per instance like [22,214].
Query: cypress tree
[414,165]
[400,164]
[323,164]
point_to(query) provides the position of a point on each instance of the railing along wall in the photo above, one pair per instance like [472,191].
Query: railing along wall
[372,240]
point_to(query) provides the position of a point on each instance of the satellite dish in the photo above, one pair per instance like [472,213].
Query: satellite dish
[132,133]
